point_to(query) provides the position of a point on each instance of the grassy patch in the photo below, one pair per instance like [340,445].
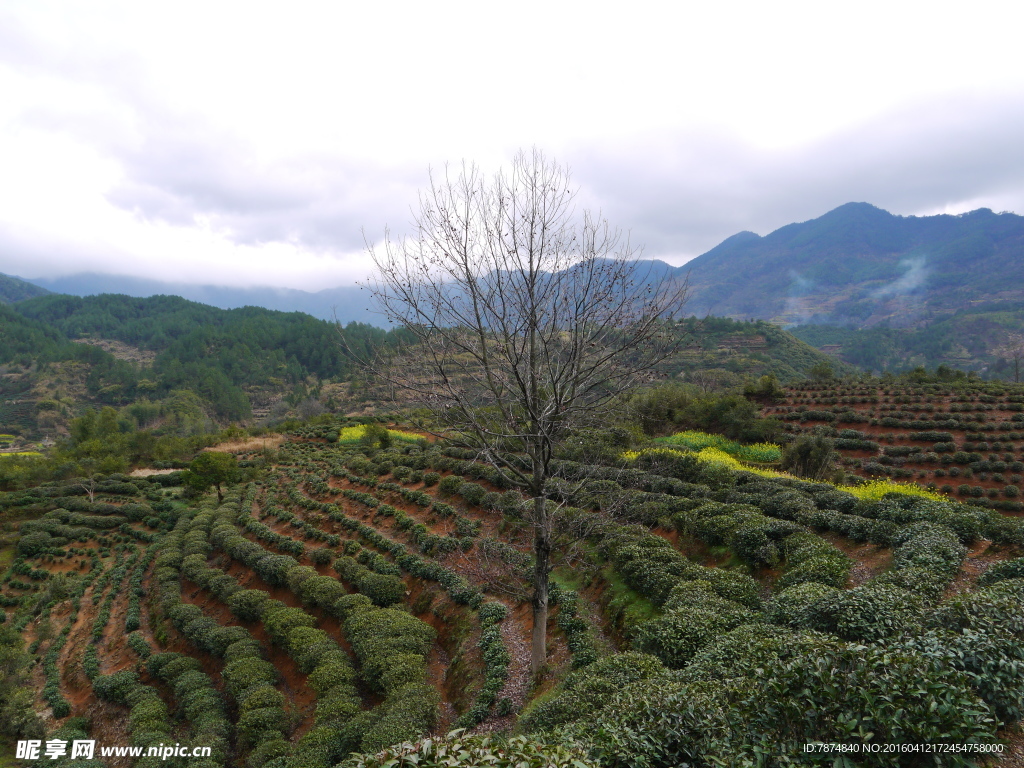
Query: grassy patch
[761,453]
[568,579]
[350,435]
[712,456]
[625,608]
[876,489]
[6,558]
[871,491]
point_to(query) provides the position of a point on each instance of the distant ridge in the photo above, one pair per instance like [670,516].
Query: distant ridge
[861,266]
[857,266]
[350,302]
[14,289]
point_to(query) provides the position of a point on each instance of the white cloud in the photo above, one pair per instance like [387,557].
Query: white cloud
[251,143]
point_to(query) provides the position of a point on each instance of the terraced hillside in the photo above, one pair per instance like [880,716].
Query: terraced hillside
[965,440]
[359,595]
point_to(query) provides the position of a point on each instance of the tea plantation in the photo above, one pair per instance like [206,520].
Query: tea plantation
[361,595]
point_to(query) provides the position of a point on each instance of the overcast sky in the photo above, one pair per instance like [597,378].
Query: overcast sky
[250,143]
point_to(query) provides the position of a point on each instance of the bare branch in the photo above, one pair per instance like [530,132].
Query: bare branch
[525,321]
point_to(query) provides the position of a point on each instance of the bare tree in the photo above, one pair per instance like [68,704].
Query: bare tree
[89,479]
[88,484]
[524,320]
[712,379]
[1012,350]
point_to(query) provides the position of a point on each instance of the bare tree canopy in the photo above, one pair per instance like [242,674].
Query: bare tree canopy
[1012,350]
[524,317]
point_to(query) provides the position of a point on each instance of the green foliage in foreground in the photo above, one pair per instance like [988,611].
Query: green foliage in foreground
[759,693]
[457,750]
[719,672]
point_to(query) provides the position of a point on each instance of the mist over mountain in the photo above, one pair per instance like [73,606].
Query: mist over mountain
[885,292]
[856,266]
[860,266]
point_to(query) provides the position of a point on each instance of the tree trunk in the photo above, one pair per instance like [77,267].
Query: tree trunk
[220,495]
[542,554]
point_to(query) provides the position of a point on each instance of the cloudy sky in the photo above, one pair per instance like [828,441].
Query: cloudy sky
[251,143]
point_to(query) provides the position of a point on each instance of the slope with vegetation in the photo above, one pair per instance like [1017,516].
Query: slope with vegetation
[54,364]
[963,437]
[720,353]
[987,338]
[363,588]
[884,292]
[859,265]
[13,289]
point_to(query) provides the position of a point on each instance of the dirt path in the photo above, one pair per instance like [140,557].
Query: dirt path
[979,558]
[515,632]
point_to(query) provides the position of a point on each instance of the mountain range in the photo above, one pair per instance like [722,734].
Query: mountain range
[13,289]
[859,266]
[346,303]
[884,292]
[856,266]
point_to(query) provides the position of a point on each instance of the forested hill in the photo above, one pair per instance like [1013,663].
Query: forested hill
[14,289]
[983,338]
[857,266]
[121,349]
[721,352]
[345,303]
[59,354]
[252,342]
[861,266]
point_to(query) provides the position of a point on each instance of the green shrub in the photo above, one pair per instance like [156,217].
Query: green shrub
[247,672]
[270,750]
[380,634]
[1008,569]
[869,613]
[677,635]
[257,725]
[449,485]
[403,668]
[322,556]
[828,569]
[585,691]
[249,604]
[998,607]
[261,697]
[750,649]
[382,589]
[934,552]
[905,697]
[758,690]
[472,493]
[457,750]
[406,714]
[279,621]
[790,607]
[991,660]
[337,704]
[241,649]
[657,722]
